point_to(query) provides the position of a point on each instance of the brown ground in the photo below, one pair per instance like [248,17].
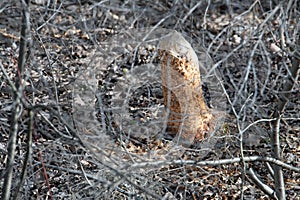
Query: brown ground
[252,56]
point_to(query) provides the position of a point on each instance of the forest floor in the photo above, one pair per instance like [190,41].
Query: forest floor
[68,38]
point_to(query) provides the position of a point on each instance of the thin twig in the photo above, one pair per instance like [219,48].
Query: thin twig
[215,162]
[275,136]
[17,105]
[28,154]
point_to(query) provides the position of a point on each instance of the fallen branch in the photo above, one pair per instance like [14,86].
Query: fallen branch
[215,162]
[269,191]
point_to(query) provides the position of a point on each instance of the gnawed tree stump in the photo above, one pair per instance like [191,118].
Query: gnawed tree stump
[188,115]
[131,101]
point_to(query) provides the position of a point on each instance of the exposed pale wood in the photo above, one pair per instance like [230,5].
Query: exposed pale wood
[188,115]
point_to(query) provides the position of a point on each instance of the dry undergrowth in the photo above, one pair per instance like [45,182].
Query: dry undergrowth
[251,52]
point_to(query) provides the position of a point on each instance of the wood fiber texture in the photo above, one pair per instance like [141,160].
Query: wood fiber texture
[188,115]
